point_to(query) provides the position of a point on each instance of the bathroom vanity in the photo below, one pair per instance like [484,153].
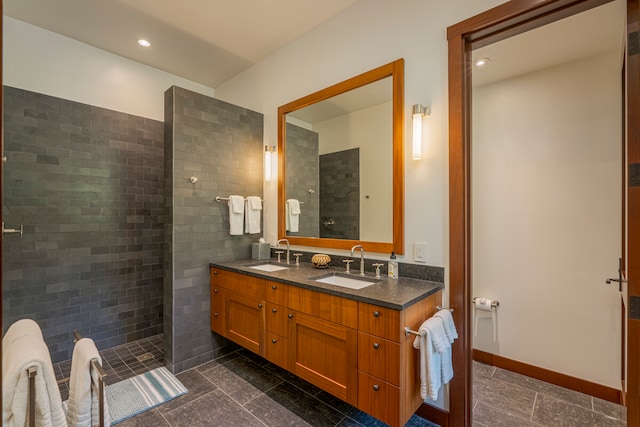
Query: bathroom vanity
[349,342]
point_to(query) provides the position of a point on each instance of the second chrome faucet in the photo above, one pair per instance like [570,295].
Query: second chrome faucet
[353,249]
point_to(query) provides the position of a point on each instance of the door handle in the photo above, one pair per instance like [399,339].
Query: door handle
[620,280]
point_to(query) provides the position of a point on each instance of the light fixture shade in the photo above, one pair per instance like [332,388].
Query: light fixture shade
[418,113]
[268,149]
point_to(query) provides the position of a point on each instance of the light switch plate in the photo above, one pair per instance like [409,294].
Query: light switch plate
[420,252]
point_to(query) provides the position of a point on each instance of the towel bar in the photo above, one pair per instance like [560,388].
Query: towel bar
[407,330]
[101,376]
[32,372]
[226,199]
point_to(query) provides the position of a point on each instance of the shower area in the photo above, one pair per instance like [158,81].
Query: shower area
[116,241]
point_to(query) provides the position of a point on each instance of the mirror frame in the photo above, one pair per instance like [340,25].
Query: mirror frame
[395,70]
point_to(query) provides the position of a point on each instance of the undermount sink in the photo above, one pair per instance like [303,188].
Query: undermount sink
[268,267]
[351,282]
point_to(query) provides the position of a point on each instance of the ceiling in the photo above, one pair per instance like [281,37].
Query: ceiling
[206,41]
[593,32]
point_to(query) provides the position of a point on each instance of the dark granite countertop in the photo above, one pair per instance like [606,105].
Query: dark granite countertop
[397,294]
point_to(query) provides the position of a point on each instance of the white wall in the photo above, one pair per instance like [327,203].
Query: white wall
[369,34]
[41,61]
[547,214]
[369,130]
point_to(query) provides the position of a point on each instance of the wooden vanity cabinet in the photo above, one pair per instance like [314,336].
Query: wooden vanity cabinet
[356,351]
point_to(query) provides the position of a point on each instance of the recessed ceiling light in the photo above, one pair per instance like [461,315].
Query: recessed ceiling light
[481,62]
[143,42]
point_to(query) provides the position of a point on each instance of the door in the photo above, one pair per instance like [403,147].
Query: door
[503,21]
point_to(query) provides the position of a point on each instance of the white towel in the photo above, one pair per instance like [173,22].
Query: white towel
[292,215]
[438,335]
[449,326]
[84,409]
[430,364]
[252,215]
[236,215]
[23,347]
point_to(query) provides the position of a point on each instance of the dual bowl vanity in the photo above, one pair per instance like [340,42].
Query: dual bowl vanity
[343,333]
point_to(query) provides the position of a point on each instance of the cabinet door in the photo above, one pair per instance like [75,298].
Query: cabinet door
[325,354]
[245,321]
[218,312]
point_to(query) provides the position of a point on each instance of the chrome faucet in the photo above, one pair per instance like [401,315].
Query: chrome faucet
[353,249]
[287,242]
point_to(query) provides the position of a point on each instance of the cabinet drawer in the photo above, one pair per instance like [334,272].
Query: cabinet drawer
[276,349]
[324,306]
[218,322]
[380,321]
[379,398]
[240,283]
[276,319]
[379,357]
[276,292]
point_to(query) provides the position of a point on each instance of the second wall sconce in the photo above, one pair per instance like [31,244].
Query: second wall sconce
[419,111]
[268,149]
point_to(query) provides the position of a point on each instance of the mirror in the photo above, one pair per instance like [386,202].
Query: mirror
[341,164]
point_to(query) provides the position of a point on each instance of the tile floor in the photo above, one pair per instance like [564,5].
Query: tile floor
[242,389]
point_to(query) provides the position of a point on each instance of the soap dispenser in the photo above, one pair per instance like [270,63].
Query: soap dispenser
[393,266]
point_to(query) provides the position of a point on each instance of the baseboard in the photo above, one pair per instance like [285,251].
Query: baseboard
[577,384]
[433,414]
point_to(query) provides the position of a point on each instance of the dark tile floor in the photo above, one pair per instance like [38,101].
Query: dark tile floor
[504,398]
[237,389]
[242,389]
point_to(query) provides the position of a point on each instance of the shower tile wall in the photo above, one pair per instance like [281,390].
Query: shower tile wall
[340,194]
[302,176]
[87,183]
[221,144]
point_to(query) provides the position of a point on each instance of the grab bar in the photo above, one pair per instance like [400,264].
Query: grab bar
[101,376]
[408,330]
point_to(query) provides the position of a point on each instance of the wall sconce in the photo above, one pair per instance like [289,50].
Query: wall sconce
[268,149]
[419,111]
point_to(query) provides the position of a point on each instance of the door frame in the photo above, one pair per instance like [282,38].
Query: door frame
[506,20]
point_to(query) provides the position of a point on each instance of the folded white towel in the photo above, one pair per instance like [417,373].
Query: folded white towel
[252,215]
[83,409]
[22,348]
[430,364]
[449,326]
[293,215]
[236,215]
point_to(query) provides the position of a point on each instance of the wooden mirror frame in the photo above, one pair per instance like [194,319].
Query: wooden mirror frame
[395,70]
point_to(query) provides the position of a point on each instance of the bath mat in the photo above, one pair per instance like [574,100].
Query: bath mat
[141,393]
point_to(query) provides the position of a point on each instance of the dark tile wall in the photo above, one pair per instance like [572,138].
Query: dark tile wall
[302,175]
[87,184]
[340,194]
[221,144]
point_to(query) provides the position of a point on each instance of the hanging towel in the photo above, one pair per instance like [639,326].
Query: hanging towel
[236,214]
[449,326]
[430,363]
[293,215]
[23,347]
[83,409]
[252,215]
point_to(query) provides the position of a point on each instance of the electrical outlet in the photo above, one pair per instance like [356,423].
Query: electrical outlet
[420,252]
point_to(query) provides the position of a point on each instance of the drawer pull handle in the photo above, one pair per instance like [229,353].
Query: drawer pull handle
[215,272]
[215,291]
[376,345]
[215,314]
[274,287]
[274,310]
[259,305]
[290,316]
[376,387]
[274,341]
[376,314]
